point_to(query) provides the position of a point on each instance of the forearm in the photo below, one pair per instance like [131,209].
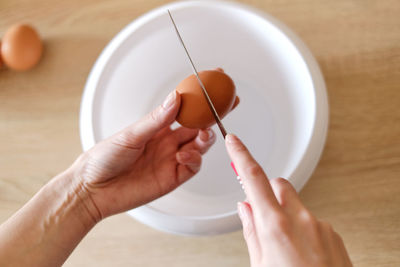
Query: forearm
[47,229]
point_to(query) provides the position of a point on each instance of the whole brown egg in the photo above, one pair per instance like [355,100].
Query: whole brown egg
[21,47]
[194,111]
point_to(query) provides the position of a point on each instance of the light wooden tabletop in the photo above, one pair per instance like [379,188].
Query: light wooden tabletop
[356,185]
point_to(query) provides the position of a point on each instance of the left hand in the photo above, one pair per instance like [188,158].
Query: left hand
[142,162]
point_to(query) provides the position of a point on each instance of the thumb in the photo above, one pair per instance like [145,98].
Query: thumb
[139,133]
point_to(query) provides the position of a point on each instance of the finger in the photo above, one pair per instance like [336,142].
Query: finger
[249,231]
[203,141]
[343,250]
[189,164]
[163,132]
[255,182]
[287,196]
[333,242]
[237,101]
[137,134]
[219,69]
[328,237]
[184,135]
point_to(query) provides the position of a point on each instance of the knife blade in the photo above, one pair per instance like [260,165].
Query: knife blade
[209,102]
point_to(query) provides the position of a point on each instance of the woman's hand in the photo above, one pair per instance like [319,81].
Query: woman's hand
[278,229]
[142,162]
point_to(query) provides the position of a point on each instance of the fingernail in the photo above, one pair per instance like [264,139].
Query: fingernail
[232,139]
[170,100]
[183,156]
[207,135]
[194,167]
[242,212]
[210,134]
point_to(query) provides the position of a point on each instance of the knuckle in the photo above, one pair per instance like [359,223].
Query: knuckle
[326,226]
[279,183]
[306,217]
[195,162]
[310,222]
[254,170]
[239,148]
[281,189]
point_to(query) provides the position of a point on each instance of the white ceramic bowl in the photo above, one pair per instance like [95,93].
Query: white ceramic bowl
[282,117]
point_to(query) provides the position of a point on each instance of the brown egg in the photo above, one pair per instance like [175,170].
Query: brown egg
[21,48]
[194,111]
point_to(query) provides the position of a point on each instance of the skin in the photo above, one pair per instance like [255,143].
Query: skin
[143,162]
[278,229]
[140,163]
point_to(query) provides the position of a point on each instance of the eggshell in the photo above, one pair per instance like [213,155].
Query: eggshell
[194,111]
[22,47]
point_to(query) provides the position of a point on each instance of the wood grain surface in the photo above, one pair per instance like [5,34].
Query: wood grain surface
[356,185]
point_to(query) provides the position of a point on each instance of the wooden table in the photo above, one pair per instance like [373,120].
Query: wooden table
[356,185]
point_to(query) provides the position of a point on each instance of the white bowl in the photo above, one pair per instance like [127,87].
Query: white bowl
[282,117]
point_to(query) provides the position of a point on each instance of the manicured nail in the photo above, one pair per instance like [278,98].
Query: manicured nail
[242,212]
[210,134]
[194,167]
[170,100]
[206,135]
[232,139]
[183,156]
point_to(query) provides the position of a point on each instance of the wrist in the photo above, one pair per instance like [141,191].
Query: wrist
[46,230]
[75,198]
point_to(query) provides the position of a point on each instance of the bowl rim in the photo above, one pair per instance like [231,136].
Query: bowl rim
[315,141]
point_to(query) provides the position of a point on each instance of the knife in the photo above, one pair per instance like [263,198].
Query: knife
[209,102]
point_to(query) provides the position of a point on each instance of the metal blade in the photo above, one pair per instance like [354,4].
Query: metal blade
[210,104]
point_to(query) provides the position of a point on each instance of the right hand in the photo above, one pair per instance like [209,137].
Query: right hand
[278,229]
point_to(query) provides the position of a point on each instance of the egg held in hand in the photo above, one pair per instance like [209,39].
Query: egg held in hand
[194,111]
[21,47]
